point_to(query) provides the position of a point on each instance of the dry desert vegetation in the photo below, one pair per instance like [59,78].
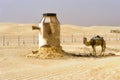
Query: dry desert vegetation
[18,40]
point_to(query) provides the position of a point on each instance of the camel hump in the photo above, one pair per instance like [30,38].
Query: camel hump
[97,37]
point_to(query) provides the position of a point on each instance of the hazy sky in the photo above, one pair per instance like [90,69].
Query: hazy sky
[76,12]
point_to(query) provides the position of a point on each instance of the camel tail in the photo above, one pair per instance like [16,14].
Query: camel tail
[104,43]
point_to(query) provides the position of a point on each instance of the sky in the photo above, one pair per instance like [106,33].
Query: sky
[74,12]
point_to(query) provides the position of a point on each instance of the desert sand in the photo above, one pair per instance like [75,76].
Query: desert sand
[14,65]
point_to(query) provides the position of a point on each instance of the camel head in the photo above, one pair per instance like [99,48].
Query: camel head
[84,38]
[85,41]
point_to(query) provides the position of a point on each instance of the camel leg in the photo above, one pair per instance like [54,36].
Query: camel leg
[102,51]
[103,46]
[94,51]
[101,54]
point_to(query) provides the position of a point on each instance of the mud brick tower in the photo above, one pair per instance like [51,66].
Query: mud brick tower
[49,36]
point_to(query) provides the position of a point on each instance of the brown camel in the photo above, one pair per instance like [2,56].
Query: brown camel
[96,41]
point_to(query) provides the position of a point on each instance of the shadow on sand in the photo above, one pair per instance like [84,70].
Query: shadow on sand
[98,56]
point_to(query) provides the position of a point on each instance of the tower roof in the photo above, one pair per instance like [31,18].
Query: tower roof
[49,14]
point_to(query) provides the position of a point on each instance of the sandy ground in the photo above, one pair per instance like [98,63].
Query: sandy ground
[14,65]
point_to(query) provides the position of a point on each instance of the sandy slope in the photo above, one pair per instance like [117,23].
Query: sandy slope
[15,66]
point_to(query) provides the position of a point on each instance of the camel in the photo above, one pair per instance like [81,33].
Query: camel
[96,41]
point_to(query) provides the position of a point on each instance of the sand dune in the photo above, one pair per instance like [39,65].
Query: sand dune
[14,28]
